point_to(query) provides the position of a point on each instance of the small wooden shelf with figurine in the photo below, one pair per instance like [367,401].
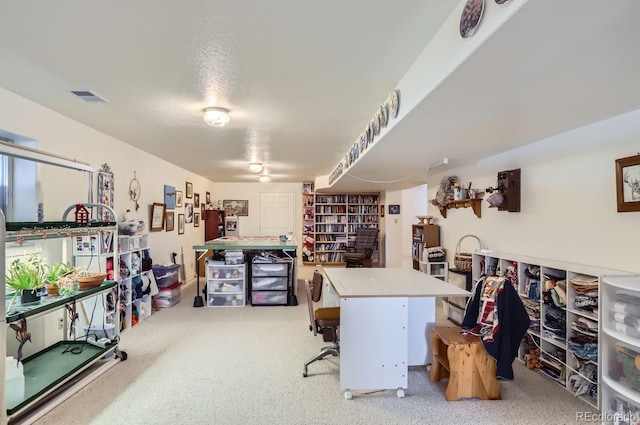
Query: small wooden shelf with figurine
[476,204]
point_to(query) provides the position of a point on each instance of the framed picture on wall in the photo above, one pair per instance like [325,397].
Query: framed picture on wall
[234,207]
[189,190]
[196,199]
[169,217]
[394,209]
[178,199]
[188,212]
[157,216]
[196,220]
[207,198]
[170,196]
[203,207]
[180,224]
[628,183]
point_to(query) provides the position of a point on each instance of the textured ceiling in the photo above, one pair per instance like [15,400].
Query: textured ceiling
[302,79]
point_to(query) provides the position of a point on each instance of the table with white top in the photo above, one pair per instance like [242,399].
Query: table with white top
[386,319]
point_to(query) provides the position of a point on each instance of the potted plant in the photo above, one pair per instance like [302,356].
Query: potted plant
[53,276]
[25,277]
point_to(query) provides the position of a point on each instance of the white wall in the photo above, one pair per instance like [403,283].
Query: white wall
[568,199]
[60,188]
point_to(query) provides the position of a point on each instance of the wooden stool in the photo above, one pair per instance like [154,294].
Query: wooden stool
[463,359]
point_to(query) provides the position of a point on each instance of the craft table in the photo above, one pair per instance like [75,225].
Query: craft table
[247,243]
[386,319]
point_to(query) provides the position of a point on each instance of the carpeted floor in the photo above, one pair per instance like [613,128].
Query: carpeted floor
[240,365]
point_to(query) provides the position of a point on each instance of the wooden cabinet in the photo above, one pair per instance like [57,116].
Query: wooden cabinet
[423,236]
[330,222]
[213,224]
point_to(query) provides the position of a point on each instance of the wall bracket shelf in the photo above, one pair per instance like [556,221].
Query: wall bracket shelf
[476,204]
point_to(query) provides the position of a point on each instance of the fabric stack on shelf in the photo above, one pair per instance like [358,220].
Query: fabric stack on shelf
[586,289]
[552,365]
[532,282]
[554,324]
[584,342]
[533,310]
[555,291]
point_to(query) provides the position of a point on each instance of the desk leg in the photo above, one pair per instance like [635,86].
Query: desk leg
[198,301]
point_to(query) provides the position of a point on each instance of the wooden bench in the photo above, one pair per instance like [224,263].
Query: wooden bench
[463,359]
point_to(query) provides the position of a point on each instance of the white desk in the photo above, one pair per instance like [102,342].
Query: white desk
[386,318]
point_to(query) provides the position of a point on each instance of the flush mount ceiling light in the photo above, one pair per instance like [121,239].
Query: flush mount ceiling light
[216,117]
[255,167]
[264,178]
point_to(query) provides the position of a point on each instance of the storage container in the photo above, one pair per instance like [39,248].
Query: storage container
[14,382]
[168,296]
[166,276]
[269,297]
[100,330]
[234,257]
[225,300]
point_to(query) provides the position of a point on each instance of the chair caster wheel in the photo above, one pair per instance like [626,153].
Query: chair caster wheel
[400,393]
[348,395]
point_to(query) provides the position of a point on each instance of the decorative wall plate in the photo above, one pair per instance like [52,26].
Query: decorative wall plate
[384,115]
[395,102]
[471,15]
[375,125]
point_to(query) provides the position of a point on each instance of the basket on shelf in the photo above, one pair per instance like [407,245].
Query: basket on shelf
[463,260]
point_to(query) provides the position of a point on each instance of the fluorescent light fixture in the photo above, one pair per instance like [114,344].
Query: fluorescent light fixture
[255,167]
[216,117]
[265,178]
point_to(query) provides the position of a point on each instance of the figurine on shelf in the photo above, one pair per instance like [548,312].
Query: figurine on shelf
[81,213]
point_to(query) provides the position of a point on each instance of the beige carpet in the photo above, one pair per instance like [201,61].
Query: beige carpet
[244,365]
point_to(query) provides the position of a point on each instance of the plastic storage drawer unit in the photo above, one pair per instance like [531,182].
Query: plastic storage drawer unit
[166,276]
[168,297]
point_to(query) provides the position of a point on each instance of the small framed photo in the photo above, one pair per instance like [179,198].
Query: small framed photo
[188,211]
[189,190]
[157,216]
[180,224]
[196,199]
[196,220]
[382,210]
[178,199]
[394,209]
[628,183]
[207,198]
[169,217]
[203,207]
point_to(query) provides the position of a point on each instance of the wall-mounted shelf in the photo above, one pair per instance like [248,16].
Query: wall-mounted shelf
[476,204]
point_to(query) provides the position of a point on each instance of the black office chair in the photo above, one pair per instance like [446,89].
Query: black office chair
[323,320]
[359,254]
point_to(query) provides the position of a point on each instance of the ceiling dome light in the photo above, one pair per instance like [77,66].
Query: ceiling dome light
[216,117]
[265,178]
[255,167]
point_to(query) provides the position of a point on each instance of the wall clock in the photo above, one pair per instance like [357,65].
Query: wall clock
[470,19]
[134,190]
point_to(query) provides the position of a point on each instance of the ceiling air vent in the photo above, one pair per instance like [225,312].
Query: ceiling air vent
[89,96]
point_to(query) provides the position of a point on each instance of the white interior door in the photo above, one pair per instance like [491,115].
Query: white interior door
[276,213]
